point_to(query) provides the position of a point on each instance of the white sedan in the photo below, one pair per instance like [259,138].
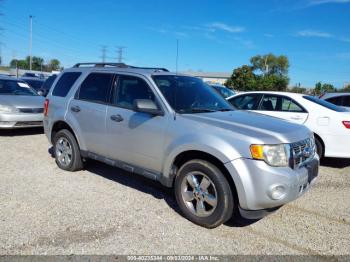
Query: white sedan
[330,123]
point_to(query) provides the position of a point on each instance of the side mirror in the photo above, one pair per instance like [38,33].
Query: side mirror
[147,106]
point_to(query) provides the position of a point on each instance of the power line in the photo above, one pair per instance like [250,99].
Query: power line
[120,53]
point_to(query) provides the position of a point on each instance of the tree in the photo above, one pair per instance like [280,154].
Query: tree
[267,72]
[54,64]
[242,79]
[298,89]
[323,88]
[270,64]
[38,64]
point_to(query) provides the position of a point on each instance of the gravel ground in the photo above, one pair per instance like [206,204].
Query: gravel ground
[103,210]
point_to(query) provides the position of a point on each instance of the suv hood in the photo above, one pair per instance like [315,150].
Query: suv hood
[257,128]
[22,101]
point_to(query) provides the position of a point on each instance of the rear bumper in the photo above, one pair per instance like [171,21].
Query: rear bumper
[257,183]
[13,121]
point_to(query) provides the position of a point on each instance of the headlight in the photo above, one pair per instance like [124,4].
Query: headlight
[274,155]
[8,109]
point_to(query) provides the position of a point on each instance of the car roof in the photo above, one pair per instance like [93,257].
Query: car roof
[291,94]
[334,94]
[3,77]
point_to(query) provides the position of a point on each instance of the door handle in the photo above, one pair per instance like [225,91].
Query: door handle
[296,117]
[117,118]
[75,109]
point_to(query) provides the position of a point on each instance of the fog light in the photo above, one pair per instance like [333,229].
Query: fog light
[277,192]
[7,124]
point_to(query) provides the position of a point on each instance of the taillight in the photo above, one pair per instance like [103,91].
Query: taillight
[46,107]
[346,124]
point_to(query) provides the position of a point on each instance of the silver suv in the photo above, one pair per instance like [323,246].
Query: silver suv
[177,130]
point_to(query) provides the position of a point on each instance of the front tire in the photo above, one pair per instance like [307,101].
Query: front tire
[319,148]
[67,151]
[203,194]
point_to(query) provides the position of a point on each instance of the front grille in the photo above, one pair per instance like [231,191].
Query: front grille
[302,151]
[31,110]
[29,123]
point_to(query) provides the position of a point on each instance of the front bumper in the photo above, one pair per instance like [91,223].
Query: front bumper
[256,183]
[20,120]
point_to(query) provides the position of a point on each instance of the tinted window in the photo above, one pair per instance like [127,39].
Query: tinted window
[269,103]
[65,83]
[48,83]
[325,104]
[36,84]
[335,100]
[131,88]
[96,88]
[246,102]
[346,101]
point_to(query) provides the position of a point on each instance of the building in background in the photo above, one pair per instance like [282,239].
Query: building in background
[212,77]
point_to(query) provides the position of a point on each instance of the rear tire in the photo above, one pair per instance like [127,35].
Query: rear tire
[203,194]
[67,151]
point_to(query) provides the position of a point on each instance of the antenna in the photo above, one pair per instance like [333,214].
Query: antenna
[177,53]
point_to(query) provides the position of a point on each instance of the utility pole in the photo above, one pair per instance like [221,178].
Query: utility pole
[120,53]
[103,53]
[30,41]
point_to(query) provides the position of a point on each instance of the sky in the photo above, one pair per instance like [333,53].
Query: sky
[213,36]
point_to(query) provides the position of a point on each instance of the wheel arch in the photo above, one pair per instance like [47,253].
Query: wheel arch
[322,143]
[188,155]
[59,125]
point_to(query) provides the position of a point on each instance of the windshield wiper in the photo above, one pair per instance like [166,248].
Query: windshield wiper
[202,110]
[225,109]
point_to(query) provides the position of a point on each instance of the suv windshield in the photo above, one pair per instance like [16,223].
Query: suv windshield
[325,104]
[187,94]
[11,87]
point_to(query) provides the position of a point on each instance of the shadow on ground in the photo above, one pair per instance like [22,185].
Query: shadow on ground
[147,186]
[335,162]
[21,132]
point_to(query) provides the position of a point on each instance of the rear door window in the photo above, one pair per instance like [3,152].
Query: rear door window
[65,83]
[96,88]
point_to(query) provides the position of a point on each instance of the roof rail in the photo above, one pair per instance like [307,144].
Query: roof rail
[121,65]
[151,68]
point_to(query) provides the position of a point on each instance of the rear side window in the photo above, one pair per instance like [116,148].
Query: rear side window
[65,83]
[335,100]
[346,101]
[96,88]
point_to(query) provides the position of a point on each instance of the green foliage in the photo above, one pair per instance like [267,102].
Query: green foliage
[323,88]
[268,72]
[38,64]
[298,89]
[242,78]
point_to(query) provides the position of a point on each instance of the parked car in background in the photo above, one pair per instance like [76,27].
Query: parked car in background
[179,131]
[224,91]
[339,99]
[20,105]
[34,82]
[45,88]
[329,123]
[37,75]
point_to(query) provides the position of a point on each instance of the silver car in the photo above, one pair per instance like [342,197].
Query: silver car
[179,131]
[20,106]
